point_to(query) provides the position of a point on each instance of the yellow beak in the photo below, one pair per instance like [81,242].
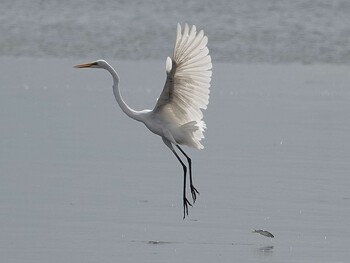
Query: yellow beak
[86,65]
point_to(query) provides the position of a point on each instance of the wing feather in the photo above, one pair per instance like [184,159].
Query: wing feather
[186,90]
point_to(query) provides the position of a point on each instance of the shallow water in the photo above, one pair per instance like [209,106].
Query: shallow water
[80,182]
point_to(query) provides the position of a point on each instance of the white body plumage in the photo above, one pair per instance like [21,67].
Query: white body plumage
[177,116]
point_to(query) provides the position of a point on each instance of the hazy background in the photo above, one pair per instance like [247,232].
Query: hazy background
[269,31]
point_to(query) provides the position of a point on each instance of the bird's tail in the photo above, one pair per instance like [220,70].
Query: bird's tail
[193,133]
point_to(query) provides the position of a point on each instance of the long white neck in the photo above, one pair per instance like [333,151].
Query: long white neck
[128,111]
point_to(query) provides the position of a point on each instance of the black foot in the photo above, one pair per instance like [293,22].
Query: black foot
[186,204]
[194,193]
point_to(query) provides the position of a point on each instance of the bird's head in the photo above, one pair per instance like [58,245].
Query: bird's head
[94,64]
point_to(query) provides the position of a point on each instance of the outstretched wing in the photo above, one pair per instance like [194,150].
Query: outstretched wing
[186,89]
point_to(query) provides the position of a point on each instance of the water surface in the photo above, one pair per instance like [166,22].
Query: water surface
[239,31]
[80,182]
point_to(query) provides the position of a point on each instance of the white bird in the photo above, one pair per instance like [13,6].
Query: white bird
[177,116]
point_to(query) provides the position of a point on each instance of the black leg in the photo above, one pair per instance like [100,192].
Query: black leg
[186,203]
[194,191]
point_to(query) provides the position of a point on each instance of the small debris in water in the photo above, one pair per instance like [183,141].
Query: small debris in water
[153,242]
[264,233]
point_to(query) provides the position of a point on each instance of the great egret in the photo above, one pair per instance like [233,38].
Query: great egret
[177,116]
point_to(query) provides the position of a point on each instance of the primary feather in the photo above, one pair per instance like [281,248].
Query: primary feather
[186,90]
